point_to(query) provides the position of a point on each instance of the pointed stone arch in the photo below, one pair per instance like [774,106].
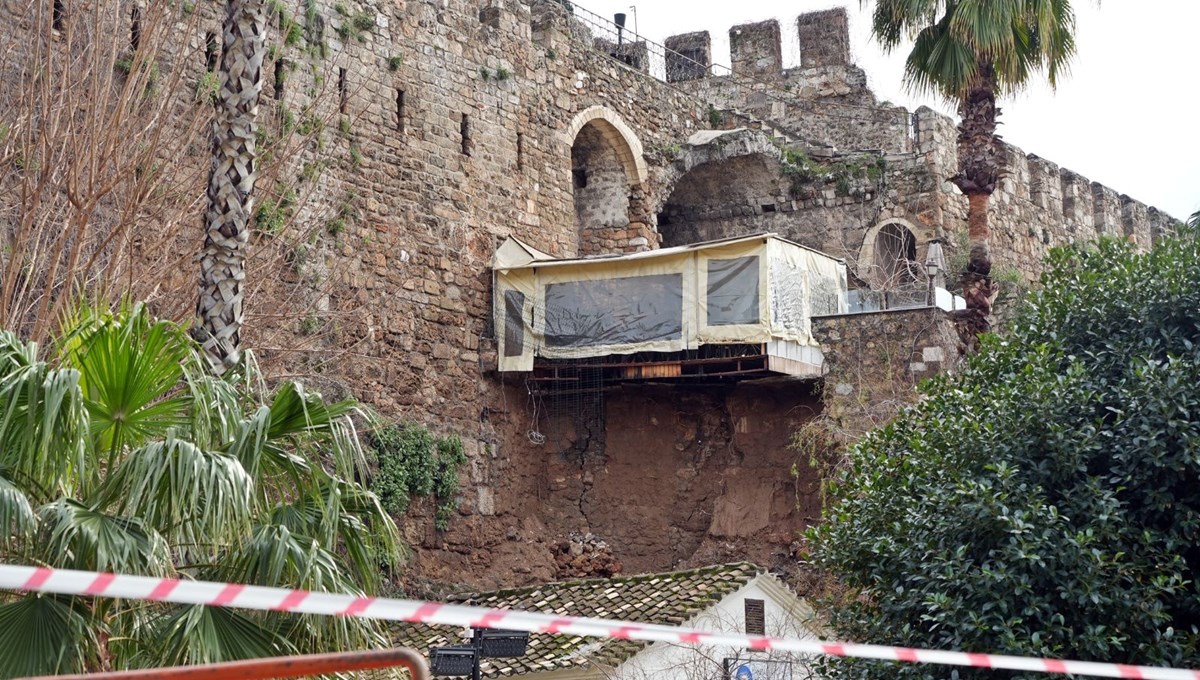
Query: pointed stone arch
[622,138]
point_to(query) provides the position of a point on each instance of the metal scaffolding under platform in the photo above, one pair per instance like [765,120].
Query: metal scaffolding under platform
[711,364]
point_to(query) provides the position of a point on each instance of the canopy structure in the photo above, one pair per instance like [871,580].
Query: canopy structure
[758,290]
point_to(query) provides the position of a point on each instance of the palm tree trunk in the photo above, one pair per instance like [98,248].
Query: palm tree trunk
[231,184]
[980,164]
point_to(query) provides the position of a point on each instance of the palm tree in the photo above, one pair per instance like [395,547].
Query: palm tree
[119,451]
[971,52]
[231,184]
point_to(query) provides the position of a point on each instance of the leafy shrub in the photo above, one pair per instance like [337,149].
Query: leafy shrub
[413,462]
[1045,501]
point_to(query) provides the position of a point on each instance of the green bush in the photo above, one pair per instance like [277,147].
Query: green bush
[1046,500]
[413,462]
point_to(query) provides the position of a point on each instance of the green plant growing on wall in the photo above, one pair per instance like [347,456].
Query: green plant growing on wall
[274,212]
[353,26]
[715,117]
[842,188]
[394,62]
[484,73]
[293,33]
[208,87]
[552,54]
[356,157]
[312,170]
[412,462]
[344,126]
[503,74]
[310,324]
[287,120]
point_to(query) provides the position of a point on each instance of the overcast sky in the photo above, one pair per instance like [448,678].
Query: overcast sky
[1127,116]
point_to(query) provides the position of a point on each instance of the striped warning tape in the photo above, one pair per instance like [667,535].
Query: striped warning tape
[68,582]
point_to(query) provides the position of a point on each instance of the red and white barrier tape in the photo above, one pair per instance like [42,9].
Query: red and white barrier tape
[68,582]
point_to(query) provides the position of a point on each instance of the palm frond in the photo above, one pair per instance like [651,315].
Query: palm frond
[44,635]
[296,413]
[349,518]
[189,495]
[17,519]
[216,410]
[43,422]
[131,367]
[273,555]
[193,634]
[955,39]
[75,536]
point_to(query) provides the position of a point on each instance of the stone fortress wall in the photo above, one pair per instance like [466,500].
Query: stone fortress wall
[826,104]
[438,127]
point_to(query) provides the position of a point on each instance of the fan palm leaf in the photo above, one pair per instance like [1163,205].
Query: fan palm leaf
[131,368]
[275,556]
[75,536]
[43,422]
[17,519]
[44,635]
[121,453]
[191,496]
[181,635]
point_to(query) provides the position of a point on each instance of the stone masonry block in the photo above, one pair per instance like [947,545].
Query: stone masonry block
[689,56]
[756,50]
[1135,222]
[1106,208]
[824,38]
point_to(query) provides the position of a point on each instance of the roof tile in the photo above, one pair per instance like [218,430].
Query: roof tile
[665,599]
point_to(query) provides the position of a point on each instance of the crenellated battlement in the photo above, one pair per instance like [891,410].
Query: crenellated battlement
[756,49]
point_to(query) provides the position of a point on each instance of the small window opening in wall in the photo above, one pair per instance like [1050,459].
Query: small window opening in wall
[400,110]
[464,129]
[58,14]
[520,150]
[342,97]
[210,52]
[135,28]
[579,175]
[768,207]
[756,617]
[280,77]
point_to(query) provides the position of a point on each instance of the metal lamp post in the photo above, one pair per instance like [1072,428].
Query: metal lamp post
[934,264]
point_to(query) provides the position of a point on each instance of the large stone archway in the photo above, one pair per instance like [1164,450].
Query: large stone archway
[723,184]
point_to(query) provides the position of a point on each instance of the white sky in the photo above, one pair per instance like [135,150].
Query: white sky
[1127,116]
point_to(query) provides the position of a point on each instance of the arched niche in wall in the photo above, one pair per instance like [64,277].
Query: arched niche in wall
[888,257]
[606,164]
[720,199]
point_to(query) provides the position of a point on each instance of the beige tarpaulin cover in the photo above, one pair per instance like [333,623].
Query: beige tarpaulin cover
[746,290]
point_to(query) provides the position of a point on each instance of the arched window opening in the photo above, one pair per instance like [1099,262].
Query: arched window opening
[896,263]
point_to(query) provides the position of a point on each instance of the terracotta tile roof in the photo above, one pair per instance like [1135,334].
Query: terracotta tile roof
[668,599]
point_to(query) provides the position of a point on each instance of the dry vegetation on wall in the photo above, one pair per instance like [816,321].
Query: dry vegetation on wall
[91,195]
[105,141]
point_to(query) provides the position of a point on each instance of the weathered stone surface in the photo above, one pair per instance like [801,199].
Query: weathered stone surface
[463,127]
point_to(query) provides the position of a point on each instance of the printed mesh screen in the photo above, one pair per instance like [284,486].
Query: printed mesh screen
[733,291]
[614,311]
[514,326]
